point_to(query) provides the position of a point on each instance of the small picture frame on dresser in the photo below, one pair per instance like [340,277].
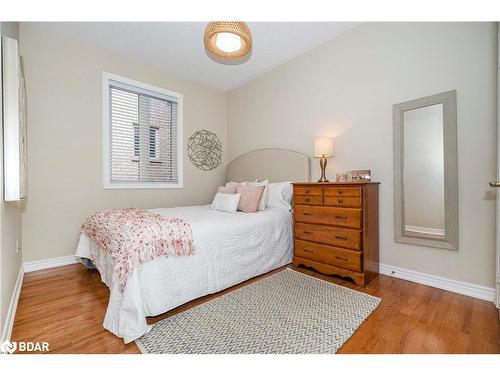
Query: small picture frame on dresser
[355,175]
[361,175]
[336,228]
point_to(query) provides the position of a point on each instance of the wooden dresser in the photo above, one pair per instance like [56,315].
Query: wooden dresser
[336,228]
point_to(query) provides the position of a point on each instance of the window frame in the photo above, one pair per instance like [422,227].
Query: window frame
[106,133]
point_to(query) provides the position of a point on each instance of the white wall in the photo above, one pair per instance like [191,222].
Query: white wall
[346,89]
[63,80]
[10,221]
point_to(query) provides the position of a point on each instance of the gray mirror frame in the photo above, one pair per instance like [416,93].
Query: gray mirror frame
[449,101]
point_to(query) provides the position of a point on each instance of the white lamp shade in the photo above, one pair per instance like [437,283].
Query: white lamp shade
[323,146]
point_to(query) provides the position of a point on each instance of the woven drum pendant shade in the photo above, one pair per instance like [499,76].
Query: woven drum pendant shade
[238,28]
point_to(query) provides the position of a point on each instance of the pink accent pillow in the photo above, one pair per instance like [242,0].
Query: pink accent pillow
[227,189]
[250,197]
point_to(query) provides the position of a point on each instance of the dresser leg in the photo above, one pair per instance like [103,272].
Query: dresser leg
[359,281]
[357,277]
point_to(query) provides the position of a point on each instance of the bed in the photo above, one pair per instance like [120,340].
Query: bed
[230,248]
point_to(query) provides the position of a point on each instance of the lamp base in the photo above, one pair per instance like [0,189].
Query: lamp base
[322,164]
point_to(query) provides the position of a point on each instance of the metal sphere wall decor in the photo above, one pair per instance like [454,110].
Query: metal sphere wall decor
[205,150]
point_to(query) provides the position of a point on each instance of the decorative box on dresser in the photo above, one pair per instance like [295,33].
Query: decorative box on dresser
[336,228]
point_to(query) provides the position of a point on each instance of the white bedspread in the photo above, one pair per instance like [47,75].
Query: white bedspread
[229,249]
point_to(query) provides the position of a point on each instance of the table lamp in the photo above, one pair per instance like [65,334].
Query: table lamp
[323,148]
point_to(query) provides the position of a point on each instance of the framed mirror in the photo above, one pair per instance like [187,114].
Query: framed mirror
[426,171]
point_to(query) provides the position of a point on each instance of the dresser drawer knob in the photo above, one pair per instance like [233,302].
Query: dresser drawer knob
[341,238]
[308,251]
[341,200]
[341,191]
[308,199]
[341,258]
[341,217]
[307,191]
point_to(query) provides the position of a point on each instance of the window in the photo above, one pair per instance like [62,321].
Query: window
[142,129]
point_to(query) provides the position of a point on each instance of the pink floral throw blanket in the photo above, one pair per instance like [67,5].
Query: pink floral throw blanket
[133,237]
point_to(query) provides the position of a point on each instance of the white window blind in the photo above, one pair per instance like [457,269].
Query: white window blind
[143,133]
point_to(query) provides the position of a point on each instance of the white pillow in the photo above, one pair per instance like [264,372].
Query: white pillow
[226,202]
[263,198]
[280,196]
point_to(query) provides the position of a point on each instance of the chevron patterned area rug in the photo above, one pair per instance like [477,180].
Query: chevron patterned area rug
[286,312]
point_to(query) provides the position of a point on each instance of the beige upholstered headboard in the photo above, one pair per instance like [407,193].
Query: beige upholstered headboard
[275,164]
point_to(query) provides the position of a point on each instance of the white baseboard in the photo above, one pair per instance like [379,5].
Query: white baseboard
[467,289]
[11,313]
[38,265]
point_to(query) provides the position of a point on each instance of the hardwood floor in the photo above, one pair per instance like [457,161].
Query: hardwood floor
[65,306]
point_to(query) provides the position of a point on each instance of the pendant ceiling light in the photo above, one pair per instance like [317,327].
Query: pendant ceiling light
[228,42]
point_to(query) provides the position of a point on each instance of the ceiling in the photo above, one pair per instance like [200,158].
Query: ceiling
[177,47]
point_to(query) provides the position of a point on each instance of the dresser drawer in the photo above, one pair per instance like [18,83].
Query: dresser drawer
[346,238]
[345,217]
[342,201]
[354,191]
[310,200]
[328,254]
[306,190]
